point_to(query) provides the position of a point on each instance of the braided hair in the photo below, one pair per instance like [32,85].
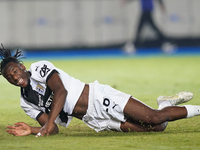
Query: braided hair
[6,57]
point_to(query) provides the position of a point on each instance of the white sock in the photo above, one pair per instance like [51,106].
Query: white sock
[192,110]
[164,104]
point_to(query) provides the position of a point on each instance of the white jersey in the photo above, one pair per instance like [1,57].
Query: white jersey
[37,97]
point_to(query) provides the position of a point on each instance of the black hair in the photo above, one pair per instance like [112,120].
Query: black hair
[7,57]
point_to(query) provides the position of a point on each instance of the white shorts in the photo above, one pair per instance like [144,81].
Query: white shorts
[105,107]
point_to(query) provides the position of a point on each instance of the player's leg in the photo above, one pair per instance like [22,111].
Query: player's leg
[139,112]
[162,101]
[182,97]
[130,126]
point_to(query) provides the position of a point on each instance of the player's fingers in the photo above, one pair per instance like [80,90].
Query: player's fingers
[11,132]
[43,134]
[11,127]
[19,123]
[38,135]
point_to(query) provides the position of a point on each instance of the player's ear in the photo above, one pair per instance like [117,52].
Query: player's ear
[22,66]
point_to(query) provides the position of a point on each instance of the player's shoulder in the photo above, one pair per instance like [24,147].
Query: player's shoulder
[41,68]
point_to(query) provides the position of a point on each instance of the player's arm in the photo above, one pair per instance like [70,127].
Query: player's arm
[60,93]
[42,120]
[23,129]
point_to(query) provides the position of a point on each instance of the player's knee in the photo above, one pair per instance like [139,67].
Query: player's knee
[155,119]
[160,127]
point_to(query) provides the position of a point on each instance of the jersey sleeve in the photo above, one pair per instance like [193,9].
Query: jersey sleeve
[30,109]
[42,71]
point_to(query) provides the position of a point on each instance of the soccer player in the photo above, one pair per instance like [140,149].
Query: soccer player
[51,96]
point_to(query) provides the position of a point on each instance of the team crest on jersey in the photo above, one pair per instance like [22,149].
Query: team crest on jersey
[40,88]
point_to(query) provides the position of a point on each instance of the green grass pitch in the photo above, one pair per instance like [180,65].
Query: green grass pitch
[143,77]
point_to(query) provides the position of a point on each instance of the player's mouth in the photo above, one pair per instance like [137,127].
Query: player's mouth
[20,82]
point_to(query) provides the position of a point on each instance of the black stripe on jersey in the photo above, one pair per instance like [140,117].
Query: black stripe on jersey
[30,95]
[33,96]
[49,76]
[38,116]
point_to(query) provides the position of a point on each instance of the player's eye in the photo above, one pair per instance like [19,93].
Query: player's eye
[15,71]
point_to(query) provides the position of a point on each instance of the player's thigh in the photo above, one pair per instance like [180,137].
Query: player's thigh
[138,111]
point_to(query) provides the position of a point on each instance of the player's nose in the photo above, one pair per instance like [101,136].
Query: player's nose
[15,78]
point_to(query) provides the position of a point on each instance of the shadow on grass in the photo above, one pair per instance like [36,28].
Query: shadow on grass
[82,132]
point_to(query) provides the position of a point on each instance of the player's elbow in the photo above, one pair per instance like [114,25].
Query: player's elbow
[55,130]
[62,92]
[65,92]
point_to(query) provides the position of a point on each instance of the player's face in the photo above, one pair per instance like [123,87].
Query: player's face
[16,74]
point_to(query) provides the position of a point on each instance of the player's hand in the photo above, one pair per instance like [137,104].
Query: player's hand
[47,129]
[20,129]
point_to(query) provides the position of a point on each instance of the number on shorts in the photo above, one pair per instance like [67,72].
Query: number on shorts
[106,102]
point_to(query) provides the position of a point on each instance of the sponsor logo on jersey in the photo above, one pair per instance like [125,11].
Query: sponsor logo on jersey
[44,70]
[49,101]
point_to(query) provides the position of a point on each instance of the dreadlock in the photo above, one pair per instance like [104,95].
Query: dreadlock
[6,57]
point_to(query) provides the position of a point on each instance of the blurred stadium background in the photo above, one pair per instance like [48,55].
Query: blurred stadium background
[94,25]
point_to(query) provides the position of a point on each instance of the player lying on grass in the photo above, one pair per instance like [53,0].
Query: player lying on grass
[51,96]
